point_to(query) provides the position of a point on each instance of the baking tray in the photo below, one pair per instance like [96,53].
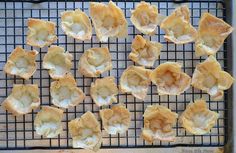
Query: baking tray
[19,132]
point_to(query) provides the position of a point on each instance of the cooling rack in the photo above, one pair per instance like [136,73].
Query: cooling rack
[19,132]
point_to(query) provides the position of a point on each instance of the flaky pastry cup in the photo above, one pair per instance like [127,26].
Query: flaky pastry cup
[103,91]
[23,99]
[178,28]
[135,80]
[144,52]
[108,20]
[21,63]
[76,24]
[197,118]
[170,79]
[48,122]
[41,33]
[65,93]
[94,62]
[145,18]
[212,32]
[158,122]
[209,77]
[85,132]
[115,120]
[57,61]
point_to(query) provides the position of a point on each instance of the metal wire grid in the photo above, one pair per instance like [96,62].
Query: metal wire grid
[19,133]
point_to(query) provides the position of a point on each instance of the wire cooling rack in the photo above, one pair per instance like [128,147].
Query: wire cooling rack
[19,132]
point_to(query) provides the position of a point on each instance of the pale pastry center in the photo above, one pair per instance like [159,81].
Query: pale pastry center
[58,59]
[116,123]
[134,79]
[78,29]
[104,92]
[42,35]
[144,53]
[210,81]
[87,139]
[178,30]
[22,100]
[87,132]
[108,22]
[95,59]
[64,93]
[160,124]
[143,18]
[147,53]
[26,100]
[52,126]
[115,119]
[21,63]
[58,62]
[199,120]
[210,41]
[168,78]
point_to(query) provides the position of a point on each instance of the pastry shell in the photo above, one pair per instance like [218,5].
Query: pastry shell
[85,132]
[103,91]
[197,118]
[57,61]
[108,20]
[23,99]
[21,63]
[65,92]
[48,122]
[40,33]
[76,24]
[144,52]
[115,120]
[94,62]
[212,32]
[145,18]
[135,80]
[209,77]
[158,122]
[178,28]
[169,79]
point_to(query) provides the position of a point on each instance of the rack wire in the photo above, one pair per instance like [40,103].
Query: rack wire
[19,132]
